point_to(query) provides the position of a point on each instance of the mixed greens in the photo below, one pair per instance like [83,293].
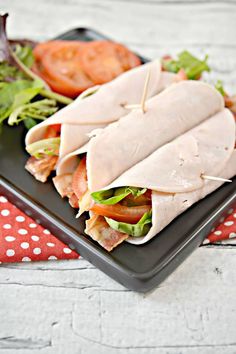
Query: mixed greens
[192,66]
[22,93]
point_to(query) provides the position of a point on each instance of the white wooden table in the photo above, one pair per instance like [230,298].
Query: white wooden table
[70,307]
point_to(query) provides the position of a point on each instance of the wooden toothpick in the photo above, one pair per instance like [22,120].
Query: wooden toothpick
[213,178]
[145,89]
[144,96]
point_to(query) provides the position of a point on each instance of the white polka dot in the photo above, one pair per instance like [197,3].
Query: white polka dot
[7,226]
[50,244]
[218,233]
[24,245]
[22,231]
[46,232]
[232,234]
[35,238]
[10,253]
[10,238]
[66,250]
[32,225]
[206,241]
[52,257]
[230,211]
[20,218]
[37,250]
[26,259]
[234,215]
[228,223]
[3,200]
[5,212]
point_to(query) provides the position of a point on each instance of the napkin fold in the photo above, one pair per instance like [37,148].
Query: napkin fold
[22,239]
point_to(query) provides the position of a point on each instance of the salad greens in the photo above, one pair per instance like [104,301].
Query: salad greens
[31,112]
[9,73]
[192,66]
[220,88]
[19,85]
[136,230]
[24,54]
[114,196]
[43,147]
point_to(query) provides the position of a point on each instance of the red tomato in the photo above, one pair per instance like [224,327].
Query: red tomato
[105,60]
[120,212]
[79,179]
[41,49]
[59,64]
[70,67]
[53,131]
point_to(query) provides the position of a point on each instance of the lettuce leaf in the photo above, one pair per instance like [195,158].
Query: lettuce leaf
[136,230]
[38,110]
[29,123]
[192,66]
[24,54]
[43,147]
[114,196]
[9,73]
[16,94]
[220,88]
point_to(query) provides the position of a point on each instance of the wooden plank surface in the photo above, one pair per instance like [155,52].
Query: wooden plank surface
[71,307]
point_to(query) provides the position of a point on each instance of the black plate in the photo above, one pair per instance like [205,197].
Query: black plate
[139,268]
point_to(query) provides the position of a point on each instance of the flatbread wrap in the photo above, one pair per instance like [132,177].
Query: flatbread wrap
[69,128]
[123,144]
[147,197]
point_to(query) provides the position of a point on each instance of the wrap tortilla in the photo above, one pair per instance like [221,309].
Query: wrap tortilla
[106,105]
[174,171]
[123,144]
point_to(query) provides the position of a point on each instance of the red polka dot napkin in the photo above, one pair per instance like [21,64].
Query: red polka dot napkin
[22,239]
[226,230]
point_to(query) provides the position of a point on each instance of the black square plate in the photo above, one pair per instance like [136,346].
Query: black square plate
[139,268]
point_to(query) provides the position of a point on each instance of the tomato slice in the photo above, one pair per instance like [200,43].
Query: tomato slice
[120,212]
[105,60]
[53,131]
[70,67]
[79,179]
[41,49]
[59,64]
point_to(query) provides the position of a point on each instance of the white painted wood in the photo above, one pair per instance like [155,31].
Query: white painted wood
[70,307]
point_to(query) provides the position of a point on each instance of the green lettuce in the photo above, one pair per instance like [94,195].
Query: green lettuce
[9,73]
[114,196]
[220,88]
[16,94]
[192,66]
[24,54]
[38,110]
[43,147]
[136,230]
